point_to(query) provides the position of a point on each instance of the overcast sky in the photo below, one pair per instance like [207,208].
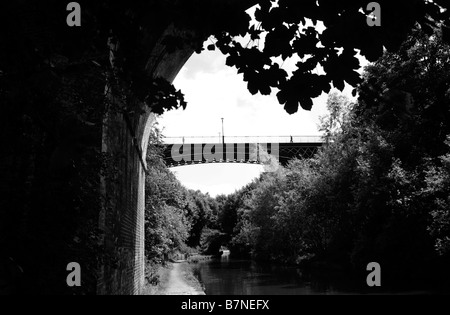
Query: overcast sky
[214,90]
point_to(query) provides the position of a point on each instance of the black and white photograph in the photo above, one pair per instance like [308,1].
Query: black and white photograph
[226,153]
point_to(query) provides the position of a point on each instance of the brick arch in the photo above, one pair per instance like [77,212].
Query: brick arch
[125,139]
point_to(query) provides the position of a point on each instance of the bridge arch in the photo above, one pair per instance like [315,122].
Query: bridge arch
[126,138]
[122,215]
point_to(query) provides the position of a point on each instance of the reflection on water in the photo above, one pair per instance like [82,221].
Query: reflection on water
[234,277]
[240,277]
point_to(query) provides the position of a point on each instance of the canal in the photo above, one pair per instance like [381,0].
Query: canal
[242,277]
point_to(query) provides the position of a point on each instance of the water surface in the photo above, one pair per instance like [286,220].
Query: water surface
[241,277]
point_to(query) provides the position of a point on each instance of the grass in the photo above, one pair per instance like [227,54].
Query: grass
[162,272]
[191,279]
[156,277]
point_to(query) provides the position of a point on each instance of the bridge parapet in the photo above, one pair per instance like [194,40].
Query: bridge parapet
[244,139]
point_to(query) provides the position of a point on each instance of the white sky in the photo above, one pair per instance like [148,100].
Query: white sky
[214,90]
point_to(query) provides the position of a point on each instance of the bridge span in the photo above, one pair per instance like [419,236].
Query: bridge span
[182,151]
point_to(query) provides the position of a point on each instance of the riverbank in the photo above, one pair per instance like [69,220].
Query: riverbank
[175,279]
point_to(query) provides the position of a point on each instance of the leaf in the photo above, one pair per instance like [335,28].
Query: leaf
[231,60]
[307,104]
[278,42]
[265,89]
[339,84]
[282,97]
[291,106]
[353,78]
[252,87]
[254,33]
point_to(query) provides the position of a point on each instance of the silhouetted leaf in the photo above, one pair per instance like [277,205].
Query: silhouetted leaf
[252,87]
[339,84]
[291,106]
[306,104]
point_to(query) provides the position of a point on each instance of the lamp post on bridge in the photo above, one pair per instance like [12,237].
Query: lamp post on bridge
[223,134]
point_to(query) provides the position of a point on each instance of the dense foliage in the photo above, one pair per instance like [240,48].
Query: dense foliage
[438,186]
[177,220]
[286,29]
[377,191]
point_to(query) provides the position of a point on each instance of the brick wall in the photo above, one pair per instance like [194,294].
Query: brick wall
[122,217]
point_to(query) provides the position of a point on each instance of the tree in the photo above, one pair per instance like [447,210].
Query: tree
[406,96]
[379,190]
[166,224]
[397,95]
[282,28]
[339,108]
[286,28]
[438,187]
[199,214]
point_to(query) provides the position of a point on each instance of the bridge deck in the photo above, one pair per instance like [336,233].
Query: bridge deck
[256,153]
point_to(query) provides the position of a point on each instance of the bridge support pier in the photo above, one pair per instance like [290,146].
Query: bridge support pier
[122,216]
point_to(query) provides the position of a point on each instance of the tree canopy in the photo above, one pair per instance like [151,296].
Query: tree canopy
[378,192]
[281,29]
[288,28]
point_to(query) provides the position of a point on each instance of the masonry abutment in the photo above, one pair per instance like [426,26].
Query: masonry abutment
[122,217]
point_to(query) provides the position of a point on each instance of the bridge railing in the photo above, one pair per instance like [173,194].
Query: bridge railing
[243,139]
